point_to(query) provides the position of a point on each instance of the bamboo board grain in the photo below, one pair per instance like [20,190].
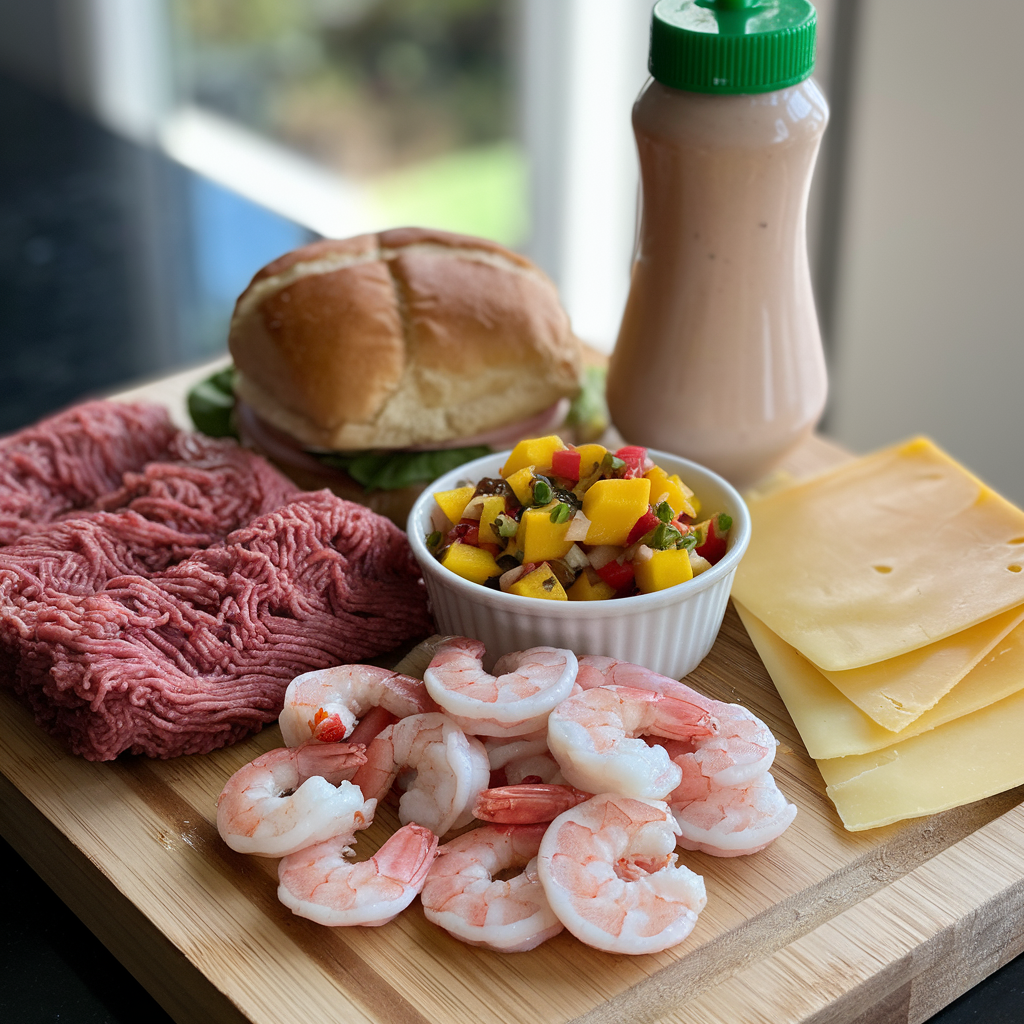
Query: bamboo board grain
[824,925]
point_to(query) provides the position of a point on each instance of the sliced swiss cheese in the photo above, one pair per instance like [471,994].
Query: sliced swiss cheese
[882,556]
[957,763]
[896,692]
[832,727]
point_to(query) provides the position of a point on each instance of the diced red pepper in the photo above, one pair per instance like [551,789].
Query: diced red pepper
[566,463]
[715,543]
[465,530]
[616,575]
[634,456]
[647,522]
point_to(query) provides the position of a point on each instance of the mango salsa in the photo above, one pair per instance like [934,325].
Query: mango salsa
[585,590]
[493,507]
[613,506]
[536,452]
[521,482]
[663,569]
[471,563]
[453,503]
[541,582]
[670,489]
[542,540]
[579,524]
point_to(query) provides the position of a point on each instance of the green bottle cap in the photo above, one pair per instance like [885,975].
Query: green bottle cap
[732,46]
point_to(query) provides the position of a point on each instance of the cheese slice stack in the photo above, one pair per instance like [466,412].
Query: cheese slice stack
[886,599]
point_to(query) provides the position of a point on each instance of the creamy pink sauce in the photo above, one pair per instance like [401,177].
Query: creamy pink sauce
[719,355]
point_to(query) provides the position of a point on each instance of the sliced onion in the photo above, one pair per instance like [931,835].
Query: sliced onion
[475,508]
[698,563]
[508,578]
[603,554]
[576,558]
[642,554]
[578,527]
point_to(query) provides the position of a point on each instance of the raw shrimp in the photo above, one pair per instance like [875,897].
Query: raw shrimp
[450,769]
[520,758]
[293,797]
[610,874]
[526,803]
[594,736]
[515,701]
[326,704]
[462,896]
[734,822]
[739,751]
[319,883]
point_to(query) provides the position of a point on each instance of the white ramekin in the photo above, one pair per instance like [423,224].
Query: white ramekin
[670,631]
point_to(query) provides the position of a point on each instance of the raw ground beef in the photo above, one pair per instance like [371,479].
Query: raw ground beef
[67,461]
[153,616]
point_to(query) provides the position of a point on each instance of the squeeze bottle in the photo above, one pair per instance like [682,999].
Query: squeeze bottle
[719,356]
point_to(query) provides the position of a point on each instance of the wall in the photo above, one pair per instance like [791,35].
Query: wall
[928,334]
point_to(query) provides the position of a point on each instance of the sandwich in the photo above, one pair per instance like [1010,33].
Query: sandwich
[373,364]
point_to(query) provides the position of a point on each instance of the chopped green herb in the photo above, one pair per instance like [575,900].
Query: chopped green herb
[612,463]
[505,525]
[434,539]
[561,513]
[724,521]
[665,536]
[688,543]
[665,512]
[541,490]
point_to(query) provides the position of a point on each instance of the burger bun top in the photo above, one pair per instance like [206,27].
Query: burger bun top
[406,338]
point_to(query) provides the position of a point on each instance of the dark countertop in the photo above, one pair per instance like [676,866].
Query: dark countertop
[117,264]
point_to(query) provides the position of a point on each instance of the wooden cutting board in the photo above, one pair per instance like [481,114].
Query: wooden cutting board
[887,925]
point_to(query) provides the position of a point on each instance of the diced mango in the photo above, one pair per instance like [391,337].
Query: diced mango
[585,590]
[540,539]
[535,451]
[540,582]
[613,506]
[521,482]
[663,569]
[591,456]
[669,488]
[471,563]
[493,506]
[454,502]
[688,495]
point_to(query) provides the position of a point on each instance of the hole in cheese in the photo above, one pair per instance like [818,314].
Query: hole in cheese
[882,568]
[1013,568]
[1017,540]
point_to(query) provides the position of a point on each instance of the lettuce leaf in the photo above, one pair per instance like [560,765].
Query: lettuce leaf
[388,471]
[211,404]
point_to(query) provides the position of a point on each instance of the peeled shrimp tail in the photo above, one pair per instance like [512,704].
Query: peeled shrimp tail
[320,884]
[293,797]
[596,738]
[450,769]
[610,874]
[463,896]
[515,701]
[742,747]
[326,704]
[526,803]
[734,822]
